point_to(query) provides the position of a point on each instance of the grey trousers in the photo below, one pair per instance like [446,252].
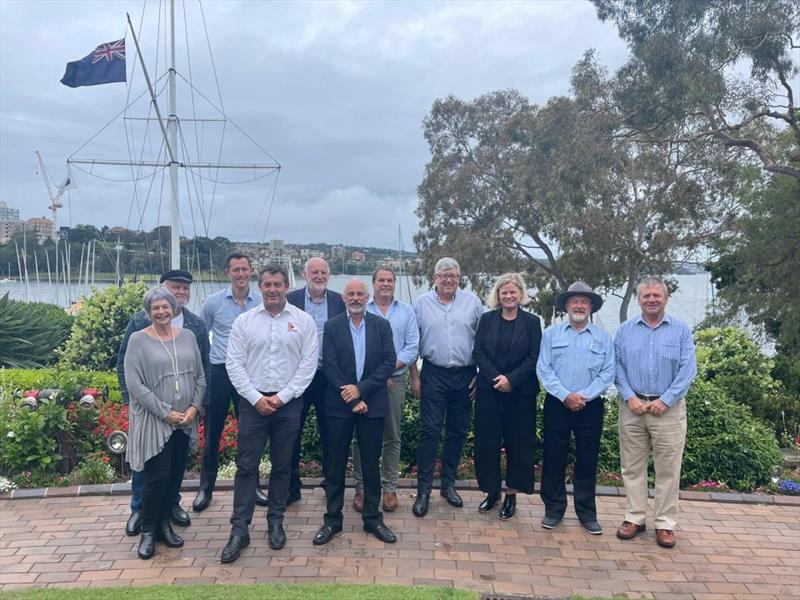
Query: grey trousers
[390,457]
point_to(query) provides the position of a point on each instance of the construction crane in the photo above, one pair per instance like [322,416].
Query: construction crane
[55,200]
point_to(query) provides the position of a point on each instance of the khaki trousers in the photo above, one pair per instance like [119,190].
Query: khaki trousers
[667,436]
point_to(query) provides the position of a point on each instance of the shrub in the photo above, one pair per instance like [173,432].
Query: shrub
[93,470]
[69,381]
[99,326]
[31,439]
[735,364]
[30,332]
[724,442]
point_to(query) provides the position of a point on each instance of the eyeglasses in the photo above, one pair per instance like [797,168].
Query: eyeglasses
[451,276]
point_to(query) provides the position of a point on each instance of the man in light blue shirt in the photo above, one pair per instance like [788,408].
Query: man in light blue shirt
[448,320]
[219,312]
[576,366]
[655,365]
[405,333]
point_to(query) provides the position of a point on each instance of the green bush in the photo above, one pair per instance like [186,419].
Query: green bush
[31,439]
[724,442]
[69,381]
[30,332]
[93,470]
[736,365]
[99,327]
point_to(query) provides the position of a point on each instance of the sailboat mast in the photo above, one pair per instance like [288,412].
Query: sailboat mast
[172,127]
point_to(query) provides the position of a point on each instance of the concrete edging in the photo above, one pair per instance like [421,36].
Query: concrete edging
[121,489]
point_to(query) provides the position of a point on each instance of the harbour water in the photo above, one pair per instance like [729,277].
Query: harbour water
[689,303]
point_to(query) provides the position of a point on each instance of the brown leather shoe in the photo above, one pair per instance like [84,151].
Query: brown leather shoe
[628,530]
[665,538]
[390,501]
[358,501]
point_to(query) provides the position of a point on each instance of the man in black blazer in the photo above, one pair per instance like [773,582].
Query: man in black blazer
[322,304]
[358,358]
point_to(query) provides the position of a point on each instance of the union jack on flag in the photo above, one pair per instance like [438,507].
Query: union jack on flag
[105,64]
[109,51]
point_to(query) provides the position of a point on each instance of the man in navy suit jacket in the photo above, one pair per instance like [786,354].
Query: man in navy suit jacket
[322,304]
[358,358]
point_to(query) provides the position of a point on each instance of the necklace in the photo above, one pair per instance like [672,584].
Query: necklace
[173,359]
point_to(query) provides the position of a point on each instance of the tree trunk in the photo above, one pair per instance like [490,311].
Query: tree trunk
[630,289]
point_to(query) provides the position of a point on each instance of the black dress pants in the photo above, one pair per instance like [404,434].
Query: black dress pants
[445,402]
[222,395]
[313,396]
[559,424]
[369,436]
[254,431]
[505,420]
[160,485]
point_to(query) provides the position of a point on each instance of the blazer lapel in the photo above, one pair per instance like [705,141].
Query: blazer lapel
[351,353]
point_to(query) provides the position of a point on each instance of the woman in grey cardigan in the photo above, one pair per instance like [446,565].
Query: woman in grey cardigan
[164,375]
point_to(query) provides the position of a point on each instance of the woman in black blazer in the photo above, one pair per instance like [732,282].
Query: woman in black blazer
[506,350]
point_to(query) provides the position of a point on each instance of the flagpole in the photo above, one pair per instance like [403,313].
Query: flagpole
[171,138]
[175,241]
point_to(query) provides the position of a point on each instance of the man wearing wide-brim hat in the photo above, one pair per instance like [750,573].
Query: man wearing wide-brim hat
[576,366]
[178,282]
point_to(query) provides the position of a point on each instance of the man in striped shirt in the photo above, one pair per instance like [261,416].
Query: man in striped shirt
[655,365]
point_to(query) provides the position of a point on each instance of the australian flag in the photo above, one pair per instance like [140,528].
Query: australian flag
[106,64]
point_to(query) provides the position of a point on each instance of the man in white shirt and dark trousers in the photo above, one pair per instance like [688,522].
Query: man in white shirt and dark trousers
[272,357]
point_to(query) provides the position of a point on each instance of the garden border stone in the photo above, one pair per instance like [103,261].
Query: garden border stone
[124,488]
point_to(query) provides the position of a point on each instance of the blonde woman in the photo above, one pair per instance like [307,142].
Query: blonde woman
[506,350]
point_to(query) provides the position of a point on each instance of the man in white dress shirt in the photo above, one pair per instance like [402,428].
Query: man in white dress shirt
[272,357]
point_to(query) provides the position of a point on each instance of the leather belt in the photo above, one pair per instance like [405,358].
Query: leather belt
[647,398]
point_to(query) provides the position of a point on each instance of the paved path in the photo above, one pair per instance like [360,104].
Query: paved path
[724,551]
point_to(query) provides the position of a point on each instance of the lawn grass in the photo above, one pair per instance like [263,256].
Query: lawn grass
[270,591]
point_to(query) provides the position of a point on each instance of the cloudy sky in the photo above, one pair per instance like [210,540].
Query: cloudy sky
[334,91]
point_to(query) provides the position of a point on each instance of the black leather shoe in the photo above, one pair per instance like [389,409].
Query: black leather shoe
[201,501]
[420,508]
[233,549]
[592,526]
[451,495]
[382,532]
[509,506]
[164,533]
[276,536]
[489,502]
[293,497]
[134,524]
[147,545]
[325,534]
[550,522]
[261,498]
[179,516]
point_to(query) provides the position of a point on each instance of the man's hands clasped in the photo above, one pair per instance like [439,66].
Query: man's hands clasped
[268,405]
[638,406]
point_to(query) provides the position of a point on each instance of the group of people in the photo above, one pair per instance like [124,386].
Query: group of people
[350,356]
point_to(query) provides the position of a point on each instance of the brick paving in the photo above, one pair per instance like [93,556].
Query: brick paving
[724,551]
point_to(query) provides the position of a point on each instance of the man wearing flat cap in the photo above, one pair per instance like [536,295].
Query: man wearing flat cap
[575,366]
[179,283]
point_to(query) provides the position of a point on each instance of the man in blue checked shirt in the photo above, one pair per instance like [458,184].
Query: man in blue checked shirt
[405,333]
[655,365]
[576,366]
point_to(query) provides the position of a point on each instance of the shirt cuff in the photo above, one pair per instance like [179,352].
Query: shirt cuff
[668,399]
[406,358]
[253,397]
[285,395]
[625,392]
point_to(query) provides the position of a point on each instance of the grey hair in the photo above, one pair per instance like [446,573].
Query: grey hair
[446,263]
[159,293]
[305,266]
[493,300]
[650,281]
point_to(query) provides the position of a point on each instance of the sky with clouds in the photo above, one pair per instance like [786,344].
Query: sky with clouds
[335,92]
